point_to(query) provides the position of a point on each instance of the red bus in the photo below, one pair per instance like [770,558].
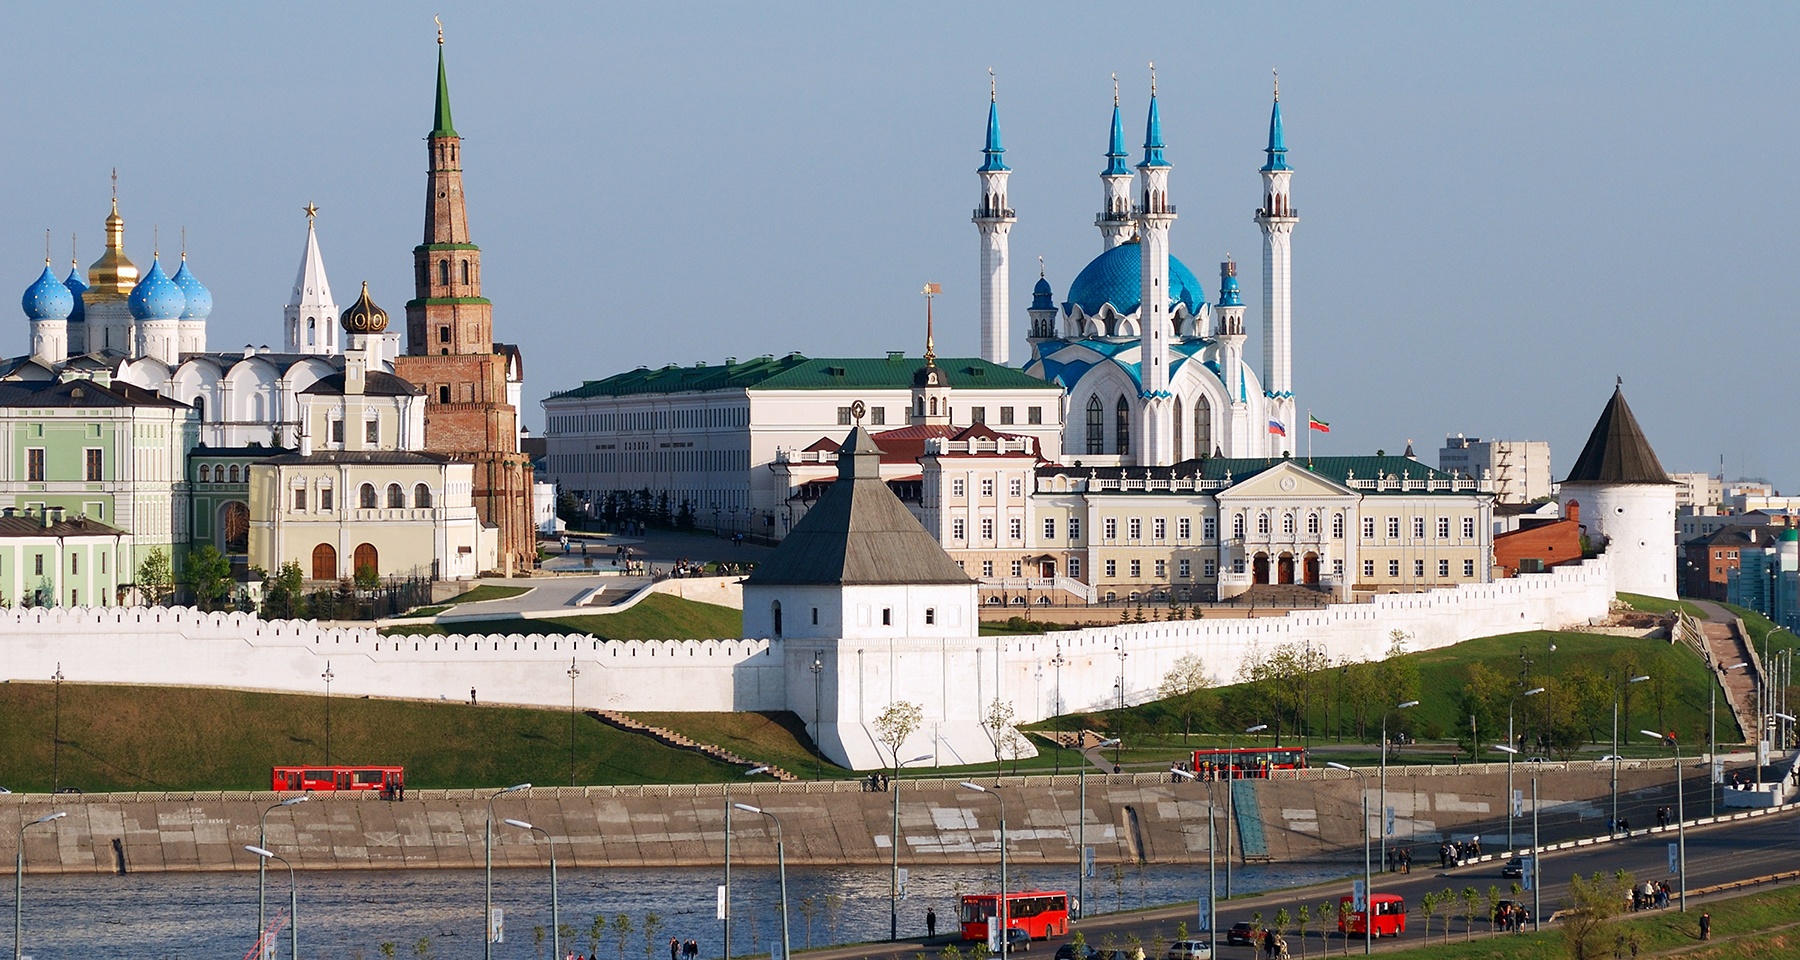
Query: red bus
[1390,916]
[387,779]
[1040,913]
[1247,762]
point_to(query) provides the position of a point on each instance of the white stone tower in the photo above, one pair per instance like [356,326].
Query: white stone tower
[1626,502]
[1154,217]
[1277,218]
[994,219]
[1114,219]
[311,317]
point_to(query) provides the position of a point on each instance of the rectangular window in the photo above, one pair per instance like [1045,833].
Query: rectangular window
[977,414]
[1469,568]
[987,568]
[956,487]
[1075,567]
[1337,569]
[372,431]
[1015,487]
[843,416]
[1393,528]
[1443,528]
[34,464]
[1368,569]
[1015,528]
[957,530]
[1162,569]
[930,615]
[1418,569]
[1159,528]
[1074,529]
[1112,528]
[1209,528]
[1006,415]
[1468,528]
[443,334]
[1394,568]
[987,487]
[1185,568]
[1112,569]
[987,528]
[300,498]
[325,499]
[1418,528]
[1136,526]
[1184,528]
[1049,528]
[74,563]
[337,431]
[887,616]
[815,613]
[1018,568]
[95,464]
[878,417]
[1209,569]
[1368,528]
[1034,415]
[37,563]
[1137,569]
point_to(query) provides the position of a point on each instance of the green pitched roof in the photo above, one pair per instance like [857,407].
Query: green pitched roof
[797,372]
[440,118]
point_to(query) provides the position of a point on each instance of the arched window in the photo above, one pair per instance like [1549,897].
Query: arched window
[234,527]
[1287,524]
[1096,426]
[234,473]
[775,614]
[367,496]
[1122,428]
[465,271]
[312,325]
[200,408]
[1202,427]
[444,273]
[1176,416]
[1337,526]
[421,496]
[256,407]
[444,393]
[1312,524]
[1262,524]
[396,497]
[934,410]
[205,473]
[1237,526]
[919,404]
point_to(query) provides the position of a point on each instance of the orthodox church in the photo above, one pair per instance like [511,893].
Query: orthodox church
[1153,373]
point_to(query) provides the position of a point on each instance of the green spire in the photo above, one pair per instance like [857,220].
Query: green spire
[441,125]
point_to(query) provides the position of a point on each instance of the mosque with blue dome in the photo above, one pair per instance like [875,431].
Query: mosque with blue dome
[1153,373]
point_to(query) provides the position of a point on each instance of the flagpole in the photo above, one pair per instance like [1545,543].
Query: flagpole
[1309,433]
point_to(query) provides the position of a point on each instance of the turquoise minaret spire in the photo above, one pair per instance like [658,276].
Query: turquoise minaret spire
[1115,149]
[994,218]
[1114,219]
[1277,148]
[991,153]
[1153,140]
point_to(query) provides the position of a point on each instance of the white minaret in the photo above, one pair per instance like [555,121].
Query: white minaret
[310,317]
[1277,219]
[1154,217]
[1114,218]
[1231,439]
[994,219]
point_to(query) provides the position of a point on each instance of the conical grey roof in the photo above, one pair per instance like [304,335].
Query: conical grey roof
[1616,451]
[858,533]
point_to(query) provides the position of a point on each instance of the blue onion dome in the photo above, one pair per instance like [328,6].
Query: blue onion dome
[47,299]
[1041,296]
[156,297]
[1114,277]
[199,299]
[77,287]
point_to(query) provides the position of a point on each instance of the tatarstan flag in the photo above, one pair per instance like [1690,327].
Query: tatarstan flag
[1317,424]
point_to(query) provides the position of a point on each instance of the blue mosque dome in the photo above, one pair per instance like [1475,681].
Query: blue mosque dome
[199,299]
[47,299]
[1041,296]
[77,287]
[1115,277]
[156,297]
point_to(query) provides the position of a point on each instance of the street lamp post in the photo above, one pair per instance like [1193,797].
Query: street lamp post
[1081,835]
[19,883]
[894,842]
[487,843]
[1617,696]
[1005,914]
[1118,648]
[262,864]
[574,672]
[327,676]
[1536,897]
[1680,814]
[1368,871]
[1212,905]
[1057,662]
[818,672]
[1512,743]
[781,869]
[293,899]
[1231,797]
[555,902]
[753,771]
[56,732]
[1381,814]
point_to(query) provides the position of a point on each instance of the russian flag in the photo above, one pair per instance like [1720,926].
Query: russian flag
[1277,429]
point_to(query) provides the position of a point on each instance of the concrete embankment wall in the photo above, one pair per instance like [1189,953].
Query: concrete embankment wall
[1127,818]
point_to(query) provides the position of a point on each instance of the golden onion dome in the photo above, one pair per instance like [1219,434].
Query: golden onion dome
[364,316]
[113,276]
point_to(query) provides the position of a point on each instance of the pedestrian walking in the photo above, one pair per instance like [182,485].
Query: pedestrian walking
[930,922]
[1705,925]
[674,949]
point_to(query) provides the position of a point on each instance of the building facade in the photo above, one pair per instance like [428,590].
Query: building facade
[1518,469]
[48,559]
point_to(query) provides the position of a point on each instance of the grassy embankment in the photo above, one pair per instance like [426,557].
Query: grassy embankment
[657,617]
[1638,601]
[486,591]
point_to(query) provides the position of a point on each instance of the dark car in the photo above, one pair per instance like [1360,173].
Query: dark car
[1017,939]
[1241,933]
[1067,952]
[1514,867]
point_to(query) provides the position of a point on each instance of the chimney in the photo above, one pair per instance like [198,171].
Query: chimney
[305,443]
[1572,511]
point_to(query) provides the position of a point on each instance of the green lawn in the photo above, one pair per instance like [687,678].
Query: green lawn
[657,617]
[1638,601]
[486,591]
[1763,630]
[169,738]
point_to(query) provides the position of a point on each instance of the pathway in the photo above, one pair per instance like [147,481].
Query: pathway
[1725,646]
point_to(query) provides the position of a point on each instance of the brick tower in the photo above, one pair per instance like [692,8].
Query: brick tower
[450,352]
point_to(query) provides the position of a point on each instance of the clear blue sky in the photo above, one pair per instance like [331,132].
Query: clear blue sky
[1502,208]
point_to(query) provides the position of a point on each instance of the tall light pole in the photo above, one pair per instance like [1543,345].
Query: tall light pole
[818,672]
[1680,814]
[1617,696]
[1382,813]
[894,877]
[327,676]
[487,843]
[1231,799]
[1081,836]
[56,732]
[262,863]
[574,672]
[1368,872]
[781,870]
[555,902]
[293,899]
[1537,873]
[1003,912]
[1212,904]
[1118,648]
[1512,743]
[19,883]
[1057,662]
[1712,741]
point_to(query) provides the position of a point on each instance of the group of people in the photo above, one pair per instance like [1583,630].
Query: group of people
[1616,827]
[875,783]
[1452,854]
[1274,945]
[1650,893]
[680,949]
[1399,860]
[1511,915]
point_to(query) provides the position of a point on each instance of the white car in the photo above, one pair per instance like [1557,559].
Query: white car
[1610,758]
[1190,950]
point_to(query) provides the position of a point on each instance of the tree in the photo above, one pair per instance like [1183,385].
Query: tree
[894,725]
[622,927]
[208,575]
[1493,906]
[1471,899]
[1587,926]
[1430,902]
[1184,685]
[1447,900]
[809,908]
[155,578]
[1344,915]
[1303,919]
[281,592]
[653,928]
[366,577]
[997,720]
[834,911]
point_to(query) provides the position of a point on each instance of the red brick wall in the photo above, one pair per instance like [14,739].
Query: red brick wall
[1553,543]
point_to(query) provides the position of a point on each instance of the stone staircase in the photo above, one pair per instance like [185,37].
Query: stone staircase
[1284,595]
[670,738]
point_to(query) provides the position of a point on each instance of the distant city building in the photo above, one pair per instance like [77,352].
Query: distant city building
[1697,490]
[1767,579]
[1539,543]
[1709,562]
[1520,469]
[49,559]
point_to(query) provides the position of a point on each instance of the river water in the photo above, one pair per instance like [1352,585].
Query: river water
[427,914]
